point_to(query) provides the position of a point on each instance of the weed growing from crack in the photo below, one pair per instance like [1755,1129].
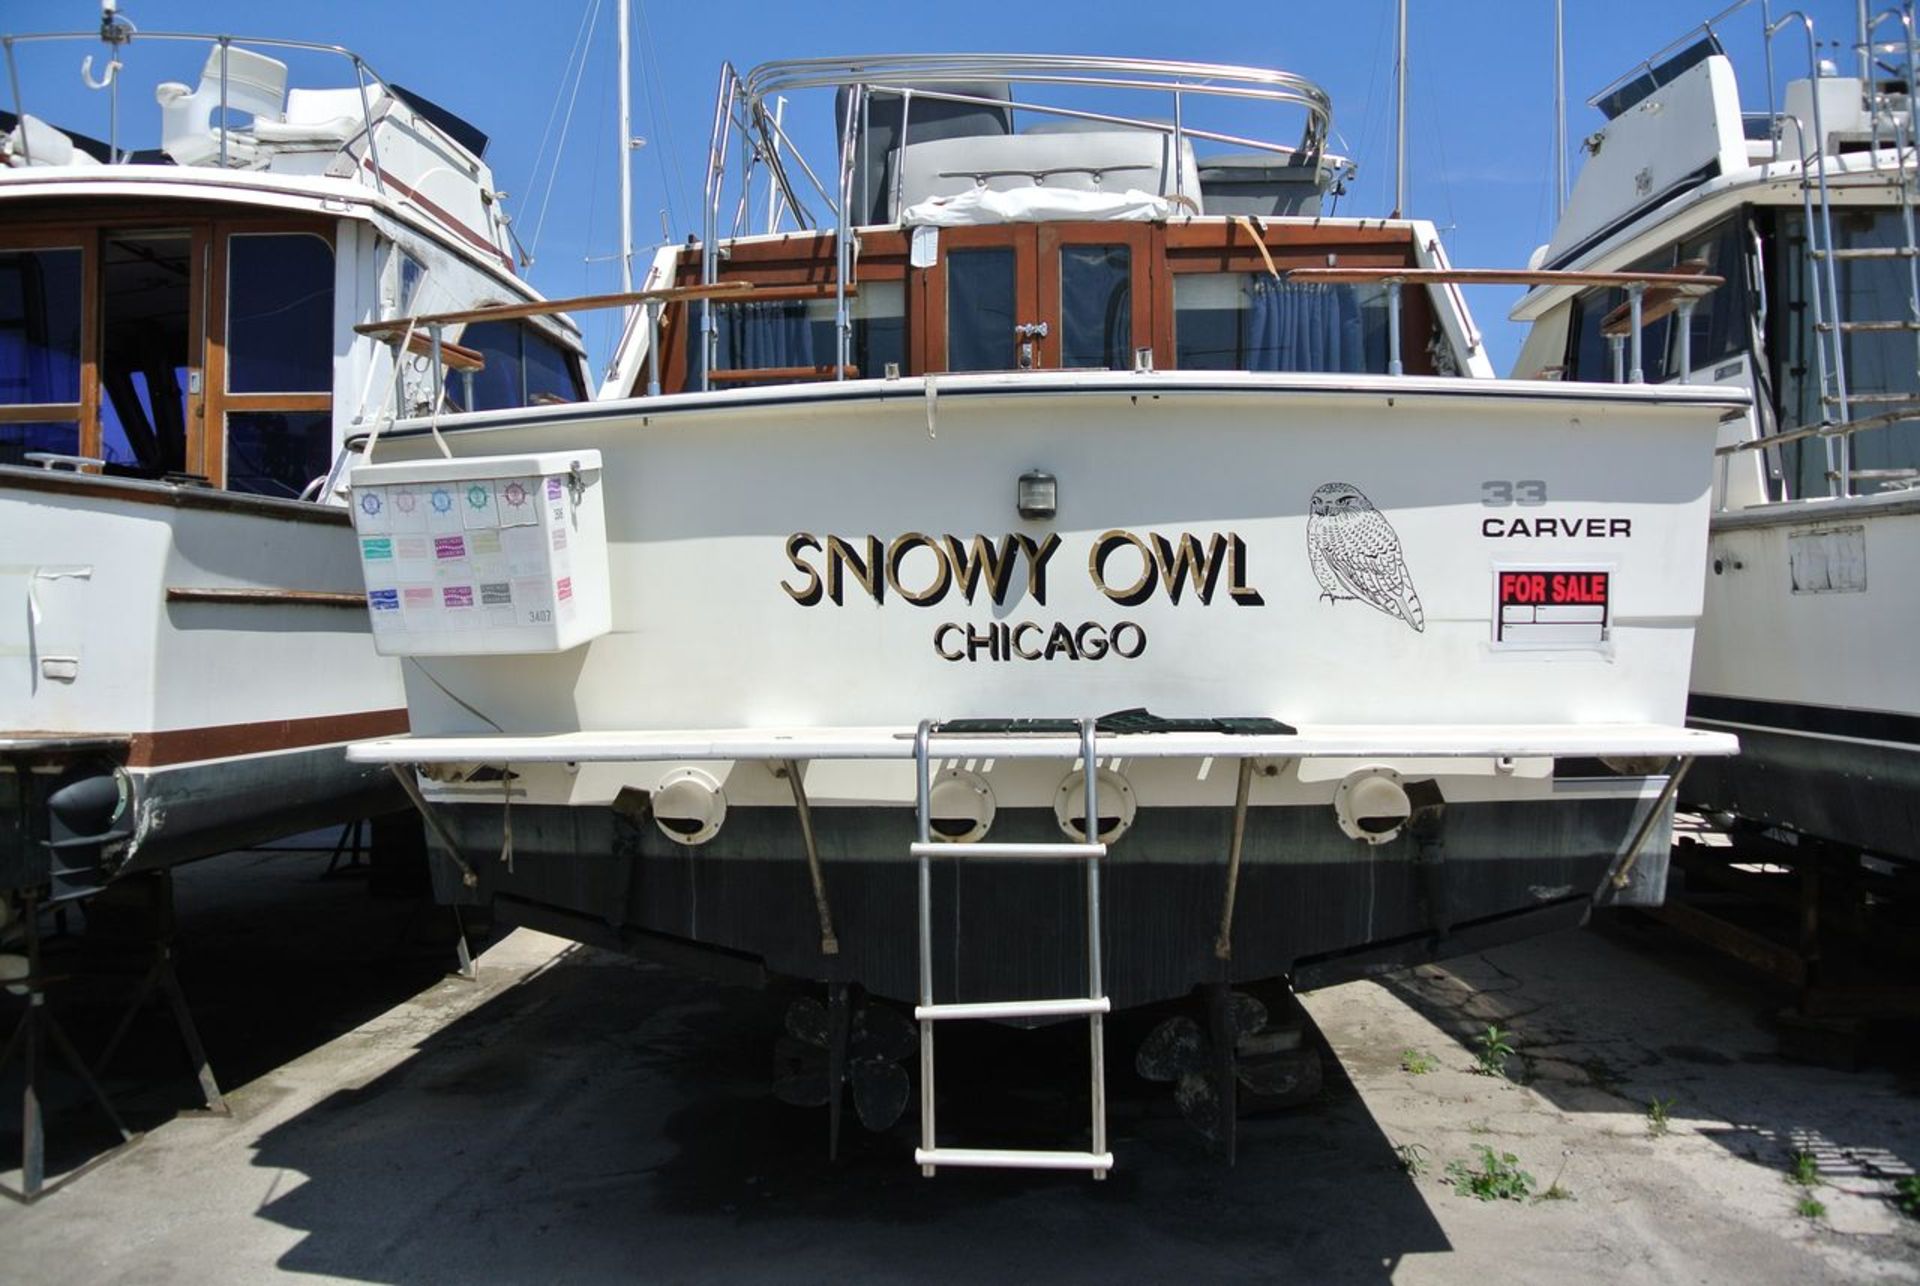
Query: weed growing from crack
[1415,1159]
[1803,1170]
[1906,1195]
[1417,1062]
[1498,1177]
[1808,1208]
[1496,1048]
[1657,1116]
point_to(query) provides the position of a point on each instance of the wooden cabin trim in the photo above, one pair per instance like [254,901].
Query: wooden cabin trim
[801,265]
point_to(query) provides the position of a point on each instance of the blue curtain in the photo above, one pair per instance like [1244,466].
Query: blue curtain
[1301,327]
[39,327]
[756,336]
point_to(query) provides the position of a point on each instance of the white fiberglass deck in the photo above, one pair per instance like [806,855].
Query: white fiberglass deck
[1516,741]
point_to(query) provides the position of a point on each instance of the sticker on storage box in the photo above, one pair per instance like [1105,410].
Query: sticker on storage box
[370,510]
[1552,606]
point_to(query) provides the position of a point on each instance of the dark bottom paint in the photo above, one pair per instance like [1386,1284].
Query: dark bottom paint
[1862,796]
[191,811]
[1311,902]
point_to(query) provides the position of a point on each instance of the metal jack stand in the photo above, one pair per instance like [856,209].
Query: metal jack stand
[160,975]
[349,846]
[36,1029]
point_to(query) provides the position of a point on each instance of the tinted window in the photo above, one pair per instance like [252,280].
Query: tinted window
[277,453]
[1236,321]
[1880,365]
[523,367]
[980,303]
[18,439]
[39,327]
[497,384]
[551,373]
[280,314]
[1096,307]
[756,335]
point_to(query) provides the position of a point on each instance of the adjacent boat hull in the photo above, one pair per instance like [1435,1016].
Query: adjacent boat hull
[188,666]
[1806,652]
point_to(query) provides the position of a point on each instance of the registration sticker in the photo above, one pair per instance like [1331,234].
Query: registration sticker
[1554,607]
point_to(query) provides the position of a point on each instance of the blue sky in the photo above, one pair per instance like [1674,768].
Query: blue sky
[1480,116]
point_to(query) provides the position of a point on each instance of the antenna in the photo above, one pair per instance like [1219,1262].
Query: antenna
[626,162]
[1559,110]
[1400,115]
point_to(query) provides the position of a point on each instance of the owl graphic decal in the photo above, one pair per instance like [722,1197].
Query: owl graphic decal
[1356,555]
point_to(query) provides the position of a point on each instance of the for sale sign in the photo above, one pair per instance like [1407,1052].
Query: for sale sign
[1553,606]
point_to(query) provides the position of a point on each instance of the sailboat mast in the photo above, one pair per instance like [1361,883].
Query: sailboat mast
[1400,114]
[626,167]
[1559,110]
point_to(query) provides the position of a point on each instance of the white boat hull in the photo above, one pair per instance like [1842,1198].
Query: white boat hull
[200,649]
[744,533]
[1806,653]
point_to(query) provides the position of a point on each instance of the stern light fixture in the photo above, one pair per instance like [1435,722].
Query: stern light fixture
[1037,495]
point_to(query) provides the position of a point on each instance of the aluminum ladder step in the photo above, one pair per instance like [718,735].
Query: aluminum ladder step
[1869,252]
[1879,399]
[1850,327]
[1013,1159]
[1071,1007]
[1094,1006]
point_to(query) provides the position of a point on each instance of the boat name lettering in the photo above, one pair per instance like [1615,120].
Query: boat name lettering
[924,570]
[1032,641]
[1589,528]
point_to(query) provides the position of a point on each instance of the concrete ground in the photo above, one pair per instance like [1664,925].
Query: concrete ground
[573,1116]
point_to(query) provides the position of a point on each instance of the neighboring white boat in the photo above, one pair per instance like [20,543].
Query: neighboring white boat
[1073,413]
[1808,209]
[184,653]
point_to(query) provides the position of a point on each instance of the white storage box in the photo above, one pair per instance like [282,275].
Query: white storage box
[489,554]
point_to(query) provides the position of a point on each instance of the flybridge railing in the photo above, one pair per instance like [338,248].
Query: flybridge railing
[752,105]
[117,33]
[1650,296]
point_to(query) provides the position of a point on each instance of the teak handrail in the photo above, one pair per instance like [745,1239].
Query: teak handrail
[1513,277]
[546,307]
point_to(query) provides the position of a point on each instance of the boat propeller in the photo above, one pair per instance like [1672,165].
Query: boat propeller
[877,1038]
[1265,1063]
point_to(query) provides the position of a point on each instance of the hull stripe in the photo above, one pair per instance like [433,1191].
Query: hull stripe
[1824,721]
[226,741]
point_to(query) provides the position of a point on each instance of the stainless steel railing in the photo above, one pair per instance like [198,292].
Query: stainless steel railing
[747,104]
[363,75]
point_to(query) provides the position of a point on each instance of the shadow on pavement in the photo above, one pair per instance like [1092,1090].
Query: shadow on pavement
[274,961]
[607,1119]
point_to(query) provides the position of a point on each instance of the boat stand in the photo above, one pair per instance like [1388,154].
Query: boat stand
[32,1035]
[160,976]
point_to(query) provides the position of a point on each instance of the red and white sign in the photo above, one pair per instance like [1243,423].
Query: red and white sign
[1562,606]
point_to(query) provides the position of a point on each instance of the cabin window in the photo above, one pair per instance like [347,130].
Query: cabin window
[980,308]
[146,287]
[1719,328]
[412,273]
[1238,321]
[278,350]
[523,368]
[1878,363]
[277,453]
[40,306]
[797,335]
[280,314]
[1096,307]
